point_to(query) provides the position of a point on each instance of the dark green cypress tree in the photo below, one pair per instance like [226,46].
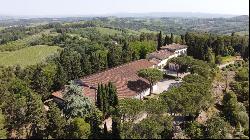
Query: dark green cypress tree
[104,100]
[165,40]
[113,95]
[105,131]
[116,128]
[172,38]
[99,98]
[159,40]
[95,129]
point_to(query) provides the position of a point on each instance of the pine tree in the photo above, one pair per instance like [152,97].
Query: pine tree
[159,41]
[56,122]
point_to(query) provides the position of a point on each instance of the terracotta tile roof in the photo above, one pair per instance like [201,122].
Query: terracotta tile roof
[174,47]
[124,77]
[58,94]
[162,54]
[155,61]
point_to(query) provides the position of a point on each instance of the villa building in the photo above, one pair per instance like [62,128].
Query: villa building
[125,78]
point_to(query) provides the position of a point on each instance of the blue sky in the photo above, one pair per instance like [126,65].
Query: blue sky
[92,7]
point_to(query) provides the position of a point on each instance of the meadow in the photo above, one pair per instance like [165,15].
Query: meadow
[27,56]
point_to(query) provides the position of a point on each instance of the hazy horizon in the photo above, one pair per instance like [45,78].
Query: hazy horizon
[102,7]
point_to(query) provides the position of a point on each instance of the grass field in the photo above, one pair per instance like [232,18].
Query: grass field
[108,31]
[27,56]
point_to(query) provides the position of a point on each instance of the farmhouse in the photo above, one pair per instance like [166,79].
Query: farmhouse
[125,78]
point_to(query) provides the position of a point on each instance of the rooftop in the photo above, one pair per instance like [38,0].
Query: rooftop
[124,77]
[174,47]
[162,54]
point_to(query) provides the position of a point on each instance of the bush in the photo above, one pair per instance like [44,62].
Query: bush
[218,59]
[169,76]
[231,65]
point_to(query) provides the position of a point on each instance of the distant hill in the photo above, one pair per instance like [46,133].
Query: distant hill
[150,14]
[172,14]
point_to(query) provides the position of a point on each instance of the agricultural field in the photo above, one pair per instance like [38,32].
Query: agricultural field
[27,56]
[107,31]
[22,43]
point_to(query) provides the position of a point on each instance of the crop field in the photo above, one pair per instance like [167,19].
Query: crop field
[27,56]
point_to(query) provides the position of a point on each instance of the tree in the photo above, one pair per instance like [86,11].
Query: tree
[105,131]
[159,41]
[79,129]
[152,75]
[95,121]
[71,62]
[42,80]
[114,56]
[56,122]
[112,95]
[3,132]
[126,53]
[172,38]
[167,40]
[24,110]
[155,107]
[194,130]
[116,128]
[60,78]
[154,128]
[106,98]
[130,108]
[35,115]
[75,103]
[217,128]
[233,111]
[218,59]
[210,56]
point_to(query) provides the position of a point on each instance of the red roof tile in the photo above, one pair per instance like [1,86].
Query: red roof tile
[162,54]
[173,47]
[124,77]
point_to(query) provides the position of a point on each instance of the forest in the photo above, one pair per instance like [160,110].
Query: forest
[86,46]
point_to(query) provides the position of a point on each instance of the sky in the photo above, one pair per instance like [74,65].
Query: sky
[98,7]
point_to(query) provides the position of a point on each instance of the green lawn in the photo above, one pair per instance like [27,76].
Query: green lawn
[27,56]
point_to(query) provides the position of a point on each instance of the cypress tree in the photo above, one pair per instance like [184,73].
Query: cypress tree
[172,38]
[99,98]
[159,41]
[104,100]
[165,40]
[105,131]
[116,128]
